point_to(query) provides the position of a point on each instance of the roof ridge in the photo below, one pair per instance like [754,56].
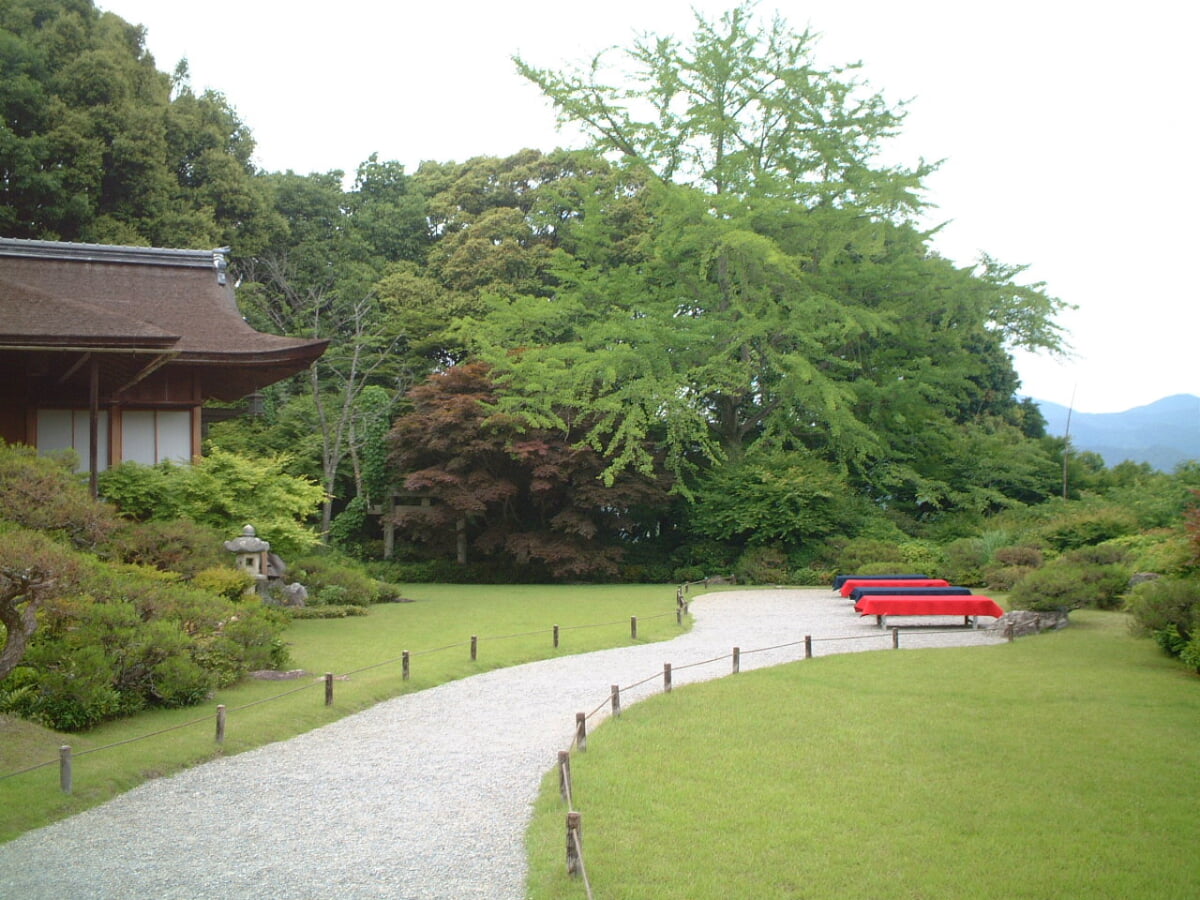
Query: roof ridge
[112,253]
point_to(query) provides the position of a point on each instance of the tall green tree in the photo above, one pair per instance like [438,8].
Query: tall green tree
[778,288]
[742,108]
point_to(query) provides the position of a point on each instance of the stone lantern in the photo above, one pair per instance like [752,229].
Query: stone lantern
[251,553]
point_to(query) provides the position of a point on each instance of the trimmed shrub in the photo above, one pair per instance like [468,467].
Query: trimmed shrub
[334,581]
[1166,606]
[1190,655]
[68,693]
[965,560]
[811,577]
[42,493]
[1004,578]
[325,612]
[922,556]
[331,595]
[685,574]
[1030,557]
[177,545]
[1164,551]
[133,637]
[762,565]
[869,557]
[1068,584]
[1011,564]
[1082,527]
[224,581]
[1106,554]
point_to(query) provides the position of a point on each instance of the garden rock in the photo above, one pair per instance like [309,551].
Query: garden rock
[294,594]
[1024,622]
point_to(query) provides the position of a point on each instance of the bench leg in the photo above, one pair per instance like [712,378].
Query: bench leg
[882,620]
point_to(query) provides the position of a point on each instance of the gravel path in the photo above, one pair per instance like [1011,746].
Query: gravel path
[422,797]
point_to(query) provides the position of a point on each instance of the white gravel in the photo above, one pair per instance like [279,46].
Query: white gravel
[422,797]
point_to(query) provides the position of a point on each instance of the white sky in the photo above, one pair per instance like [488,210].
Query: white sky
[1066,126]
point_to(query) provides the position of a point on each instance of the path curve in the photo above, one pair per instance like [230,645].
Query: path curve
[422,797]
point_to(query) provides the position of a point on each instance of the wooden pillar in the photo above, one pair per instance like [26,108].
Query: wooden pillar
[581,730]
[65,776]
[94,427]
[574,844]
[564,775]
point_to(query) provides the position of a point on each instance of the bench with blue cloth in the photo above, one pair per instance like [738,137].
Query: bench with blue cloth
[859,592]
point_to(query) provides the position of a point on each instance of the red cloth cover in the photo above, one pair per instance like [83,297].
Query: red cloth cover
[973,605]
[853,583]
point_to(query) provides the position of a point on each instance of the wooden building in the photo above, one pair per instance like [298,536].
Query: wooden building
[113,351]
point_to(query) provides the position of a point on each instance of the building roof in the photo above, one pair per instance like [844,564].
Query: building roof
[134,304]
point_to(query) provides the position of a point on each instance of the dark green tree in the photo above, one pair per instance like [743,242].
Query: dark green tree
[98,145]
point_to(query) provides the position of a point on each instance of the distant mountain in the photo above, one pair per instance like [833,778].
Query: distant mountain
[1164,433]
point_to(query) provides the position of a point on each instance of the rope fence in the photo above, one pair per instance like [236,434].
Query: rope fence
[66,755]
[575,859]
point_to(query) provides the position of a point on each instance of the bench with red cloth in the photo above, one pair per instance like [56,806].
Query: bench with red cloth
[851,583]
[969,606]
[839,580]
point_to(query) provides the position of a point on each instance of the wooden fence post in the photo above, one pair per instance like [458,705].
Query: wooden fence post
[404,665]
[633,628]
[564,775]
[895,638]
[474,647]
[329,689]
[679,615]
[667,677]
[221,724]
[616,700]
[556,636]
[65,776]
[737,660]
[581,731]
[574,845]
[808,646]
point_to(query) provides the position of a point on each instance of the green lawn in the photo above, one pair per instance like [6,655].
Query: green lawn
[1064,765]
[436,630]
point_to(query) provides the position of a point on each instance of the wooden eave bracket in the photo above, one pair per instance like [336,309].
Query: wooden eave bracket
[147,370]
